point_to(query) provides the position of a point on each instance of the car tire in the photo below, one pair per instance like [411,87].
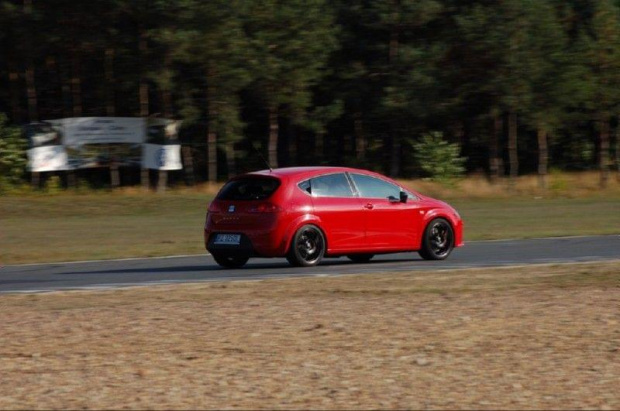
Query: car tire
[307,247]
[438,240]
[230,261]
[360,258]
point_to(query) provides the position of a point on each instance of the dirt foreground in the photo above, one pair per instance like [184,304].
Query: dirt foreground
[519,338]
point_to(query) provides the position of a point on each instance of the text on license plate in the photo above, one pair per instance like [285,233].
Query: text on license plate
[227,239]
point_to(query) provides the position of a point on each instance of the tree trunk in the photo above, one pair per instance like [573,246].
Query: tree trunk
[14,91]
[494,148]
[395,156]
[188,165]
[604,149]
[458,130]
[292,144]
[319,144]
[166,96]
[65,84]
[31,90]
[211,134]
[212,153]
[166,93]
[230,159]
[348,144]
[110,107]
[394,34]
[143,95]
[543,158]
[393,57]
[14,86]
[273,137]
[360,138]
[76,85]
[512,147]
[54,88]
[144,87]
[144,98]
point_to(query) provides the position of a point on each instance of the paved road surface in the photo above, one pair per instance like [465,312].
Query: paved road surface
[119,273]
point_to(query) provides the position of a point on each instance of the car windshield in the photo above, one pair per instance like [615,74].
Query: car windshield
[249,189]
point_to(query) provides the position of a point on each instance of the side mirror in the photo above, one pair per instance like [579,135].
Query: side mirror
[403,197]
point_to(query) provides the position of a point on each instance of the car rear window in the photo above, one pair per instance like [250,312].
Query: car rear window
[249,189]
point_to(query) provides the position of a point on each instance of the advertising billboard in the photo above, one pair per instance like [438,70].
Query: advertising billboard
[47,158]
[162,157]
[89,142]
[102,130]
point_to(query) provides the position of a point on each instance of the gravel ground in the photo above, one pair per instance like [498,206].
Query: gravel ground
[522,338]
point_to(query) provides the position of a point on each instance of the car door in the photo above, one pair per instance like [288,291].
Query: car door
[339,210]
[390,223]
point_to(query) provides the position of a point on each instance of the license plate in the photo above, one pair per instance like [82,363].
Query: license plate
[233,239]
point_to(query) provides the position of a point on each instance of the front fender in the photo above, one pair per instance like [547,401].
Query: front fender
[453,219]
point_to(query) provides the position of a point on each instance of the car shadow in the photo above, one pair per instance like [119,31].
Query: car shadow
[282,266]
[9,282]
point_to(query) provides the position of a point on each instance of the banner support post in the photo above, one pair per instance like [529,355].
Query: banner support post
[35,180]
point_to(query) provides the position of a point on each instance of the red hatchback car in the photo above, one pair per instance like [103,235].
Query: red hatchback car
[307,213]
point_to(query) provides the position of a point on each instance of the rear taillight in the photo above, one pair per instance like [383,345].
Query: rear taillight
[264,208]
[213,208]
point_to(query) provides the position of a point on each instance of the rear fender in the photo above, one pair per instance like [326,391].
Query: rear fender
[296,225]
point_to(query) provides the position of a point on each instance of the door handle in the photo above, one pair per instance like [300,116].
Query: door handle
[369,206]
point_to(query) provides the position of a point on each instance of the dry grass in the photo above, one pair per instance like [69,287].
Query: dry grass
[208,189]
[560,185]
[538,338]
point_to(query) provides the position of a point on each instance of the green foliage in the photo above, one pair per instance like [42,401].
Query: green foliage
[290,44]
[437,158]
[601,57]
[318,118]
[208,36]
[12,154]
[360,75]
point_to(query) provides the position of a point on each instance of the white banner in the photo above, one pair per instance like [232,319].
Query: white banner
[79,131]
[160,157]
[47,158]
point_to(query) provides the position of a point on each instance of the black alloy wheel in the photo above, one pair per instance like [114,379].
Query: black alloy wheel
[307,248]
[360,258]
[438,240]
[230,261]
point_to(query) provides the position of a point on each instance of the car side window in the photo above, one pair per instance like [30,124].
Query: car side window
[305,186]
[371,187]
[332,185]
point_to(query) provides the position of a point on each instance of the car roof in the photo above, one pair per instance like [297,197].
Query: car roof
[307,172]
[301,173]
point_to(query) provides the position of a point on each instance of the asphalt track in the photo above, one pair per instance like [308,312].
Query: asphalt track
[183,269]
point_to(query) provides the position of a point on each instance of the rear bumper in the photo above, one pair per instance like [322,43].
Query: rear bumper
[244,247]
[253,243]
